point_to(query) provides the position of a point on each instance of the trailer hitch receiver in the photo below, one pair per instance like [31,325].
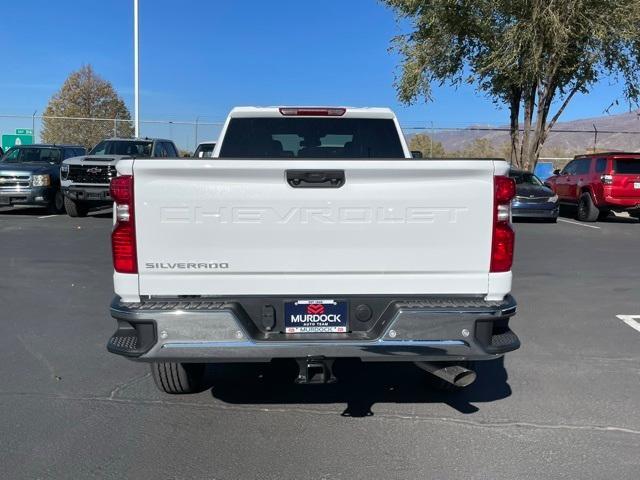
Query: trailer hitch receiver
[315,370]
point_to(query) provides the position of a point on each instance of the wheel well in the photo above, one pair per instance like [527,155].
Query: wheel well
[590,192]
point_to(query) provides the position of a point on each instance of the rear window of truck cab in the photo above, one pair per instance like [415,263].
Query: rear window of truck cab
[33,155]
[205,150]
[273,137]
[123,147]
[627,165]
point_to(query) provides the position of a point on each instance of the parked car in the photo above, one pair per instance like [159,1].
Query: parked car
[30,175]
[337,243]
[85,179]
[205,150]
[599,184]
[533,199]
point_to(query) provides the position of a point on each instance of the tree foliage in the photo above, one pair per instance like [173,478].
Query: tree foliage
[481,148]
[531,55]
[425,144]
[85,95]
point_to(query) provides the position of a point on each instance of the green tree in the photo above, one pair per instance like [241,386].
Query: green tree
[426,145]
[531,55]
[85,95]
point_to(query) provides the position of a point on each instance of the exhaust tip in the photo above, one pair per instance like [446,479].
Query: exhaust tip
[464,379]
[452,373]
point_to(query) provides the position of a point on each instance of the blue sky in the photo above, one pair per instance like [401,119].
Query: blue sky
[200,58]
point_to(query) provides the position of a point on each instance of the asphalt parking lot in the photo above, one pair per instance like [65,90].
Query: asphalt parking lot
[565,405]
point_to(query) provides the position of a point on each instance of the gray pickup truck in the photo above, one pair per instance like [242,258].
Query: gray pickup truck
[85,179]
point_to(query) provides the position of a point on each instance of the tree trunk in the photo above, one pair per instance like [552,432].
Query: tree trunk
[514,132]
[543,125]
[546,127]
[525,147]
[537,139]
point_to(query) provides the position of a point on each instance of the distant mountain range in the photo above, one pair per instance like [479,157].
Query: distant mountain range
[564,139]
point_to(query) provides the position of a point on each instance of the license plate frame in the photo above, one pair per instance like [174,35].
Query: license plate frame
[306,316]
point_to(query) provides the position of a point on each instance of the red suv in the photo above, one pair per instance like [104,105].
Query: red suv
[600,183]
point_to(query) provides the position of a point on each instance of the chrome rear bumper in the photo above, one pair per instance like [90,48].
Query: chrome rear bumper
[215,330]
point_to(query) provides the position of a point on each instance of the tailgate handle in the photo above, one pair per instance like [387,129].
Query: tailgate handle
[315,178]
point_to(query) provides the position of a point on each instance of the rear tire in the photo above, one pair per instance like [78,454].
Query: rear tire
[178,378]
[587,211]
[75,209]
[56,206]
[604,214]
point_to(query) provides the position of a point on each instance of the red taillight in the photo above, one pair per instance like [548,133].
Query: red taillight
[123,236]
[313,112]
[123,243]
[505,189]
[503,240]
[502,248]
[121,189]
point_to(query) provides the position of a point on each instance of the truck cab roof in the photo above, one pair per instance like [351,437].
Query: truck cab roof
[136,139]
[48,145]
[313,111]
[311,132]
[608,154]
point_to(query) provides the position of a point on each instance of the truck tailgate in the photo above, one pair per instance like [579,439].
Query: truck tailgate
[237,227]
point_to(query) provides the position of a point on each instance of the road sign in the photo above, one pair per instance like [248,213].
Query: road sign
[24,131]
[9,140]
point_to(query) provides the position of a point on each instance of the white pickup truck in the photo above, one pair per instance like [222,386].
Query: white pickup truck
[85,179]
[311,234]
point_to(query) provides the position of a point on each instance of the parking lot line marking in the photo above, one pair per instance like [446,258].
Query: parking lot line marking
[631,320]
[49,216]
[578,223]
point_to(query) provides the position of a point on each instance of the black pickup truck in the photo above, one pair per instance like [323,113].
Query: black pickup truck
[30,175]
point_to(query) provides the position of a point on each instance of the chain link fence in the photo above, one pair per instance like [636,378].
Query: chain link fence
[431,139]
[185,133]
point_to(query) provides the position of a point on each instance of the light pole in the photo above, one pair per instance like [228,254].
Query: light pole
[197,120]
[136,79]
[33,126]
[431,141]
